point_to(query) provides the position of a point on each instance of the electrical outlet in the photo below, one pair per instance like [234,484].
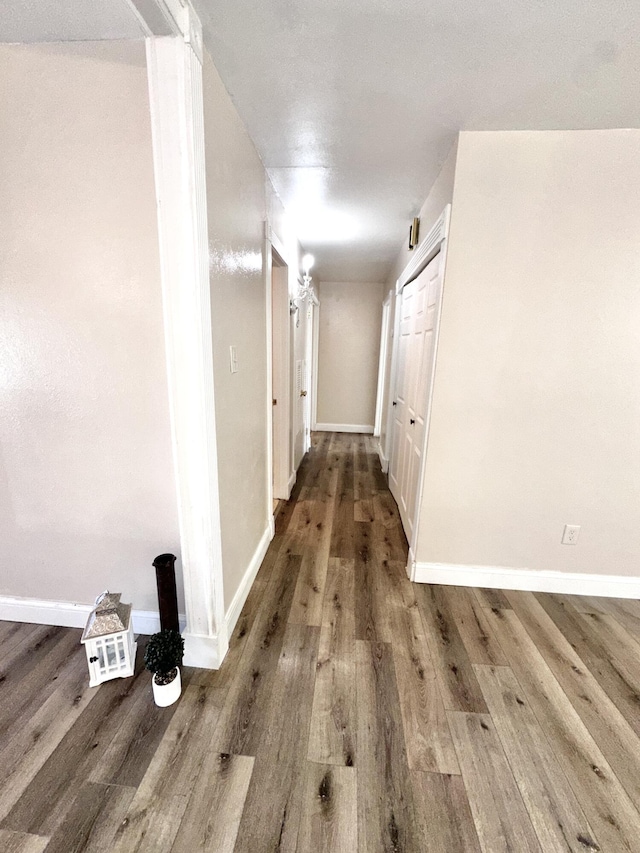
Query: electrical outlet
[233,359]
[570,535]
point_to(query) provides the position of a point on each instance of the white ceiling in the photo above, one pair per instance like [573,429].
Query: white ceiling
[67,20]
[354,104]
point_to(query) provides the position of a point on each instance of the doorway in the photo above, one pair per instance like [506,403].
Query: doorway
[418,306]
[303,323]
[280,378]
[419,310]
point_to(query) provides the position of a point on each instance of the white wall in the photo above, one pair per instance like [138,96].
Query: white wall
[87,488]
[348,352]
[440,195]
[240,198]
[236,212]
[536,411]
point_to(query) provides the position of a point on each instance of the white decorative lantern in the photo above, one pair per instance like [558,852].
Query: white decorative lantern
[108,640]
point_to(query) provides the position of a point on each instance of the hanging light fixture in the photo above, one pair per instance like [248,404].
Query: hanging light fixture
[305,289]
[307,263]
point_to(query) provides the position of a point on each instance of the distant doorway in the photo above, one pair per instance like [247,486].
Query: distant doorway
[280,378]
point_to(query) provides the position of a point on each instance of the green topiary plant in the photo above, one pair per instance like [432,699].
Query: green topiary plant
[163,654]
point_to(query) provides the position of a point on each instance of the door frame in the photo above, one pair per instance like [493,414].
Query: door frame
[309,364]
[382,364]
[435,242]
[301,326]
[314,366]
[277,370]
[174,79]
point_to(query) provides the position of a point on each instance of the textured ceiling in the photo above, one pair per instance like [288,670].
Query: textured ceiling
[354,104]
[67,20]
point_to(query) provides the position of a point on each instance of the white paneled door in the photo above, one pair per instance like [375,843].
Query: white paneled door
[300,410]
[419,310]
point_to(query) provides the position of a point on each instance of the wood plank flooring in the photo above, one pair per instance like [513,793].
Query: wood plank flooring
[355,712]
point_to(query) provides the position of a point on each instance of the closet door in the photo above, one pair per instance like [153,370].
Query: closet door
[416,351]
[396,463]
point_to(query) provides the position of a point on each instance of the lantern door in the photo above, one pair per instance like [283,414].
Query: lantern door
[111,656]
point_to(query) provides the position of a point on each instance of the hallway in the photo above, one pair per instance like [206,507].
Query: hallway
[354,711]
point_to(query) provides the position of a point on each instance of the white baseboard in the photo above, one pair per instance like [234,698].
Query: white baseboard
[204,652]
[384,462]
[291,483]
[199,651]
[235,608]
[68,614]
[502,577]
[209,652]
[366,428]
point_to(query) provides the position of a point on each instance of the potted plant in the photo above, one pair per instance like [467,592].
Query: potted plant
[163,657]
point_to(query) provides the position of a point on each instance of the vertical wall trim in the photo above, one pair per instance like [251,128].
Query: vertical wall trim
[314,367]
[434,242]
[382,364]
[267,266]
[177,122]
[278,359]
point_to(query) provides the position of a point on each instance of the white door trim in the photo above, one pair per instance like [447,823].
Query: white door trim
[267,266]
[177,124]
[428,249]
[311,310]
[162,17]
[314,368]
[278,389]
[393,376]
[430,246]
[382,364]
[439,236]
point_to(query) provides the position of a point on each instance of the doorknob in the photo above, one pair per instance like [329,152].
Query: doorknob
[412,420]
[303,393]
[394,403]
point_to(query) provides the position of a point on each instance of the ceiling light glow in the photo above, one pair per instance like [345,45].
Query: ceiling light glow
[323,225]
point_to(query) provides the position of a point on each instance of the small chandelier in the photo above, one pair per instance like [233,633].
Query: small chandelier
[305,290]
[108,640]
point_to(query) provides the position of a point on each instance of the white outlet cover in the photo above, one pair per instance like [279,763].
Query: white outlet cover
[570,534]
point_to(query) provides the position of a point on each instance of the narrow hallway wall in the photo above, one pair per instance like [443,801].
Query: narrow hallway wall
[236,212]
[348,352]
[239,200]
[440,195]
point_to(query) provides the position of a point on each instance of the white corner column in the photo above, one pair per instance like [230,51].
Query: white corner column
[176,101]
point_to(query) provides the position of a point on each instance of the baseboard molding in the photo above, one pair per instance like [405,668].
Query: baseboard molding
[366,428]
[205,652]
[235,608]
[384,462]
[68,614]
[501,577]
[291,483]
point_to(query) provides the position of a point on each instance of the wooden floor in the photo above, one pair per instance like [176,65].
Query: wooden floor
[354,712]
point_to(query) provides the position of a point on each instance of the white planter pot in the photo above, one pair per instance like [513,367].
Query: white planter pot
[167,694]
